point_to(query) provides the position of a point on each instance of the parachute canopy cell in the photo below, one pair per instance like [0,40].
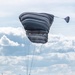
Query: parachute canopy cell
[37,25]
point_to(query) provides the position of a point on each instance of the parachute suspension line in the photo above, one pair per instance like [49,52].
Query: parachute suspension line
[27,63]
[27,57]
[40,48]
[33,58]
[58,17]
[24,40]
[31,65]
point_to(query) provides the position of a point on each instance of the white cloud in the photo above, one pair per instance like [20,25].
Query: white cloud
[14,31]
[63,56]
[35,57]
[4,41]
[58,53]
[38,58]
[57,69]
[17,63]
[11,60]
[22,45]
[58,42]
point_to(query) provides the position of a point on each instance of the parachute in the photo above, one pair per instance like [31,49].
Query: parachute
[37,26]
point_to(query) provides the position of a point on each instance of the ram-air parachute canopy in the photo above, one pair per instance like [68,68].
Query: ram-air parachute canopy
[37,25]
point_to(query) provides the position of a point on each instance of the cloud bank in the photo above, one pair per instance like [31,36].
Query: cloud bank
[16,65]
[55,57]
[15,38]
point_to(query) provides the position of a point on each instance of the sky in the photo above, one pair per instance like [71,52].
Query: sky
[56,57]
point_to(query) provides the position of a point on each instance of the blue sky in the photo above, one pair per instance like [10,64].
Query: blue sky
[10,11]
[57,57]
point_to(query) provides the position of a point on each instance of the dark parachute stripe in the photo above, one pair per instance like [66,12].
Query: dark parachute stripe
[33,24]
[38,14]
[37,36]
[50,17]
[35,17]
